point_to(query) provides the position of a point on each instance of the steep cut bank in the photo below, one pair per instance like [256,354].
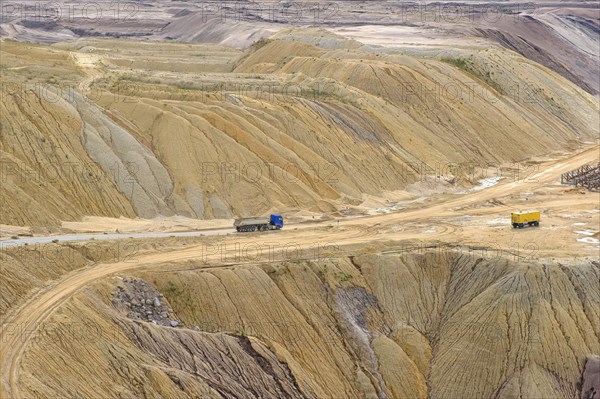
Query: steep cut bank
[439,325]
[564,40]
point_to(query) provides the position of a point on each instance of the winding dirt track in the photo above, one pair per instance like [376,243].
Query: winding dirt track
[21,323]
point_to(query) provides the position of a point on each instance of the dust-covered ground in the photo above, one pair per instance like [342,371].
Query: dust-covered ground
[395,138]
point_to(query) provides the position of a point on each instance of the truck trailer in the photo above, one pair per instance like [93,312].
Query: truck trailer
[520,219]
[272,222]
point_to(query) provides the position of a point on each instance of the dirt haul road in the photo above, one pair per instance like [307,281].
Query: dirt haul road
[20,323]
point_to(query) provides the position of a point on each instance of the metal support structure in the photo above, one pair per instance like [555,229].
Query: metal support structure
[587,176]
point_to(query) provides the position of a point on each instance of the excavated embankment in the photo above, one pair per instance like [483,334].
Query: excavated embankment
[439,325]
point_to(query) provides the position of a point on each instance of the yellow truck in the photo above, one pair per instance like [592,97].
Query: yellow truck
[521,218]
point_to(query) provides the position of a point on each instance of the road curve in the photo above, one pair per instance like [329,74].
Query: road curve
[32,313]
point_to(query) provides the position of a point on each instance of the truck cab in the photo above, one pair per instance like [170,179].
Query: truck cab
[277,221]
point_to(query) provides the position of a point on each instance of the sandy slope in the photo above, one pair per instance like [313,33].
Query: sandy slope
[562,37]
[283,127]
[406,283]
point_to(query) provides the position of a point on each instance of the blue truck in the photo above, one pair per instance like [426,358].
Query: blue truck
[272,222]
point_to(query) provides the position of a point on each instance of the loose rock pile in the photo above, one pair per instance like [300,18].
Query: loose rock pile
[141,301]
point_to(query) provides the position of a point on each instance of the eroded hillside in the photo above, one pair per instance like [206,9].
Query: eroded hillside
[396,139]
[440,325]
[563,38]
[211,132]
